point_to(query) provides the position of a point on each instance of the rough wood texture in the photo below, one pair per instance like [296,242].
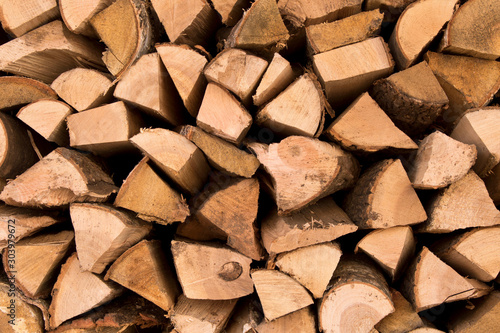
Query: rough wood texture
[484,317]
[19,17]
[403,319]
[77,14]
[246,316]
[230,10]
[390,8]
[18,91]
[492,183]
[302,320]
[302,12]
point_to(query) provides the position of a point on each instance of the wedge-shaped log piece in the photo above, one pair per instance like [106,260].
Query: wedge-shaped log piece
[301,12]
[230,10]
[147,85]
[480,41]
[223,115]
[493,184]
[185,66]
[36,261]
[18,91]
[319,223]
[403,318]
[77,292]
[144,269]
[187,22]
[356,28]
[152,198]
[84,88]
[348,71]
[222,155]
[62,177]
[412,98]
[238,71]
[391,248]
[483,317]
[357,290]
[298,110]
[103,233]
[408,39]
[246,316]
[77,14]
[304,170]
[193,315]
[175,155]
[19,17]
[302,320]
[46,52]
[429,282]
[311,266]
[475,253]
[125,28]
[390,8]
[440,161]
[48,118]
[105,130]
[384,197]
[366,128]
[279,294]
[211,271]
[481,127]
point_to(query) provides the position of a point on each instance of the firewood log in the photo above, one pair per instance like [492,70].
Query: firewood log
[484,317]
[19,18]
[77,14]
[390,8]
[302,320]
[403,318]
[230,10]
[493,184]
[301,12]
[18,91]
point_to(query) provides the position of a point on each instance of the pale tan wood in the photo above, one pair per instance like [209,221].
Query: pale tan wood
[481,127]
[403,319]
[311,266]
[77,14]
[429,282]
[125,28]
[175,155]
[61,177]
[303,321]
[391,248]
[48,118]
[211,271]
[357,290]
[144,269]
[151,197]
[224,67]
[210,316]
[222,155]
[426,330]
[319,223]
[84,88]
[46,52]
[230,10]
[356,28]
[147,85]
[476,17]
[185,66]
[383,197]
[77,292]
[302,12]
[492,183]
[297,110]
[484,317]
[278,293]
[105,130]
[36,261]
[365,127]
[18,91]
[348,71]
[221,114]
[304,170]
[440,161]
[390,8]
[409,39]
[19,17]
[103,233]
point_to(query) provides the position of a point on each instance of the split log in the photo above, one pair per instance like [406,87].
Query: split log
[484,317]
[391,248]
[390,8]
[147,85]
[319,223]
[211,271]
[403,319]
[105,130]
[221,114]
[356,28]
[144,269]
[348,71]
[311,266]
[246,316]
[175,155]
[383,197]
[440,161]
[303,13]
[152,198]
[358,129]
[303,321]
[222,155]
[464,204]
[230,10]
[408,40]
[36,261]
[48,118]
[18,91]
[46,52]
[20,17]
[278,293]
[412,98]
[77,14]
[84,88]
[357,290]
[62,177]
[492,183]
[304,170]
